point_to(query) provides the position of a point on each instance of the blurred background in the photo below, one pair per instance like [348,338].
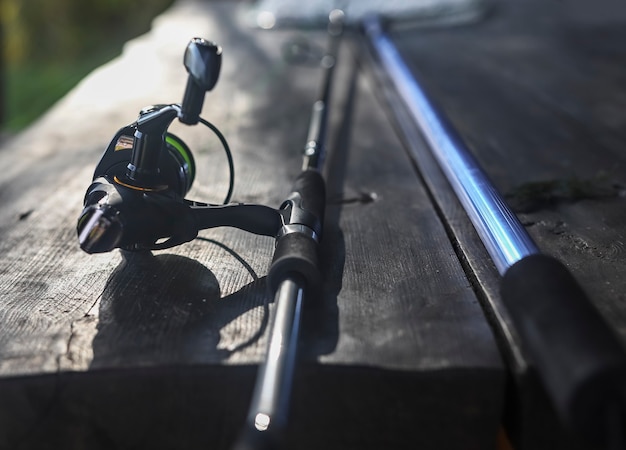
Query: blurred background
[49,46]
[46,47]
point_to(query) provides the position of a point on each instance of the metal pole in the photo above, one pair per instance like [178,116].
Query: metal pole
[273,383]
[502,233]
[575,353]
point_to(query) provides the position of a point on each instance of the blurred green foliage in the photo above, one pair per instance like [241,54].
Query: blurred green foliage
[50,45]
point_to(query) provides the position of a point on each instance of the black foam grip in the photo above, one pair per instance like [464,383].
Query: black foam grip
[579,359]
[295,253]
[312,189]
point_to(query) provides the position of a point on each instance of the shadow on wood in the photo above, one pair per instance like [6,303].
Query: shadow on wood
[168,308]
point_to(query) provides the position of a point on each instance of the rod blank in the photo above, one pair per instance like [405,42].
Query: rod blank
[294,269]
[276,374]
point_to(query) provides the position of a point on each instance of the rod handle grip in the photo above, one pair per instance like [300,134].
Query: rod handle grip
[579,359]
[295,253]
[296,249]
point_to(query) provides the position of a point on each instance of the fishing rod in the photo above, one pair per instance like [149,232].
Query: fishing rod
[136,202]
[294,271]
[579,360]
[136,199]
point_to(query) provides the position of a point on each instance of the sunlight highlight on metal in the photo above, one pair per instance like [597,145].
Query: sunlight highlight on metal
[266,20]
[500,230]
[262,422]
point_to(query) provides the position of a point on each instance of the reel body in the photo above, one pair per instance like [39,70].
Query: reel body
[120,214]
[177,168]
[136,200]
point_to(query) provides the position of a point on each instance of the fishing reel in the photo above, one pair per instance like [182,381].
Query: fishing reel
[137,198]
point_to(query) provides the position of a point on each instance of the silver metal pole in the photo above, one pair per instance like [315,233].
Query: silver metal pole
[500,230]
[273,384]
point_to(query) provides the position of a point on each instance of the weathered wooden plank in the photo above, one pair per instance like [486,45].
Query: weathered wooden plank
[408,239]
[136,349]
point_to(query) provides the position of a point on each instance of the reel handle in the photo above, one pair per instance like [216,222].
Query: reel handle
[203,60]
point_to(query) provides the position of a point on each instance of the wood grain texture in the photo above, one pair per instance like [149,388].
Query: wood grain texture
[129,350]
